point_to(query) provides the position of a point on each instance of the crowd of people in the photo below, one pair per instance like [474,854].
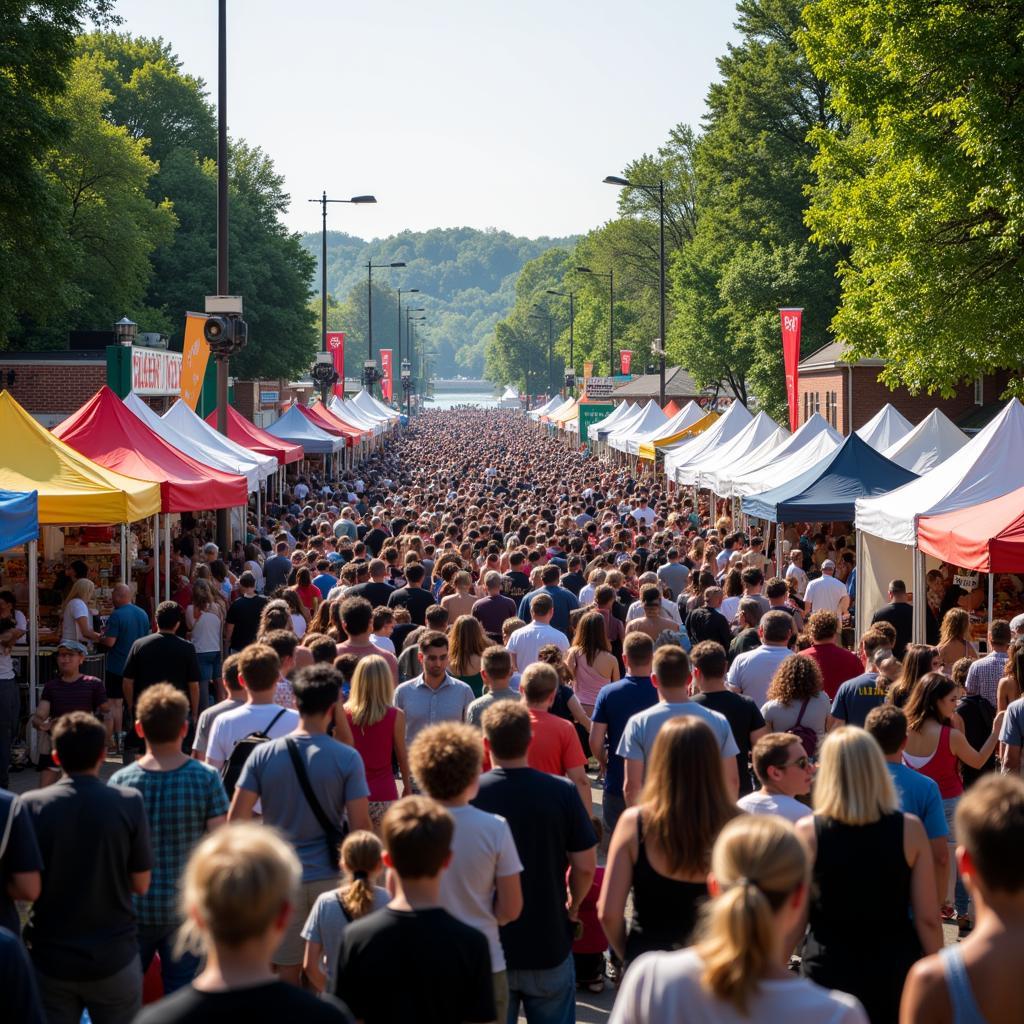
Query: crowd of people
[488,723]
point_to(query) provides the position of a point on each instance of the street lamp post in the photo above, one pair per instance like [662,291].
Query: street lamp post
[406,291]
[658,190]
[611,313]
[545,315]
[410,327]
[370,268]
[571,296]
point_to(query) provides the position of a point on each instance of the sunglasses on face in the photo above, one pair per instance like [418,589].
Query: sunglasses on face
[801,763]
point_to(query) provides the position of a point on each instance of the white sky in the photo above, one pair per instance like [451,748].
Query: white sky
[451,112]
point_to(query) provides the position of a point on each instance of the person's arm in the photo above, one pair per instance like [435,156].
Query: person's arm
[508,898]
[311,965]
[618,880]
[757,734]
[977,759]
[598,732]
[578,777]
[342,730]
[922,885]
[402,754]
[139,881]
[25,885]
[578,714]
[732,776]
[41,715]
[1011,760]
[242,805]
[940,864]
[193,698]
[229,628]
[633,781]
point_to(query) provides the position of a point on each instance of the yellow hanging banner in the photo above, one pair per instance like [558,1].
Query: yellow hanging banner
[195,356]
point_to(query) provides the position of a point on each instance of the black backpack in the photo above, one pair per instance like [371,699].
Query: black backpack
[232,767]
[977,715]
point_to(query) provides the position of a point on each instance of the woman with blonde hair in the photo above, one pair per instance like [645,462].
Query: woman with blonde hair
[661,848]
[590,661]
[955,639]
[871,863]
[357,896]
[378,732]
[737,970]
[468,643]
[76,612]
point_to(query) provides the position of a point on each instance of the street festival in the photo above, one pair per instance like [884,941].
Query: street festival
[643,644]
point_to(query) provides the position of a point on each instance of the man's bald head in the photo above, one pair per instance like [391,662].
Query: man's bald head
[121,594]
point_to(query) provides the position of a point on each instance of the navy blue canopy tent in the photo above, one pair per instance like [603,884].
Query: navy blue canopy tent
[827,491]
[19,518]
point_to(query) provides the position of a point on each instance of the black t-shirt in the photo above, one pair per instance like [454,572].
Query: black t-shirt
[548,822]
[273,1002]
[400,633]
[162,658]
[900,615]
[415,965]
[574,582]
[416,599]
[20,855]
[92,837]
[744,717]
[374,540]
[18,982]
[244,614]
[376,593]
[516,585]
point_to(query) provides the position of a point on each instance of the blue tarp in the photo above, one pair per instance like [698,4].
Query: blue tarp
[296,429]
[827,491]
[19,518]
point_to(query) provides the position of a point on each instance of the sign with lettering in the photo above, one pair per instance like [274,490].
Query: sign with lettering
[269,397]
[155,371]
[600,387]
[966,582]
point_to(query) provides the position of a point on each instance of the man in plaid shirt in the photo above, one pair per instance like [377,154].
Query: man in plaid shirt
[184,799]
[984,674]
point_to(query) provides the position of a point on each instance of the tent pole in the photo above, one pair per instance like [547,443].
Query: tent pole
[124,553]
[33,639]
[858,609]
[156,562]
[167,556]
[991,596]
[919,596]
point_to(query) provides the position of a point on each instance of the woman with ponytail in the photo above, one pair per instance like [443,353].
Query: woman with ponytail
[356,897]
[737,971]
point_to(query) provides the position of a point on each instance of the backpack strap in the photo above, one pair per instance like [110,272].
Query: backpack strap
[332,832]
[800,717]
[265,734]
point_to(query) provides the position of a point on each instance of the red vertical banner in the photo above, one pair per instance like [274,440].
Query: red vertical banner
[625,360]
[792,323]
[385,374]
[336,346]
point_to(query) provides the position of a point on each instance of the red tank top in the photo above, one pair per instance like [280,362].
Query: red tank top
[941,766]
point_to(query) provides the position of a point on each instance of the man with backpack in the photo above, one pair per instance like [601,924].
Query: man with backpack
[308,783]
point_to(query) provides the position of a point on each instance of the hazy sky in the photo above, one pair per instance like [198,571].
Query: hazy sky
[451,112]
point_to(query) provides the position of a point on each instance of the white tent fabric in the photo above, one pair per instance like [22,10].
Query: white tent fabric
[617,415]
[686,417]
[753,434]
[932,441]
[652,418]
[185,421]
[352,416]
[366,401]
[885,428]
[625,423]
[716,477]
[726,427]
[722,481]
[562,407]
[191,447]
[546,406]
[781,471]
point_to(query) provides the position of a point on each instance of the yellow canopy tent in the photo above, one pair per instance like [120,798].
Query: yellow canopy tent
[72,489]
[562,416]
[555,413]
[649,449]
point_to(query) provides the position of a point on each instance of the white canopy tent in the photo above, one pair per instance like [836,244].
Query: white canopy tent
[988,466]
[932,441]
[617,415]
[685,417]
[750,437]
[782,470]
[351,413]
[366,401]
[885,428]
[714,479]
[724,429]
[762,457]
[652,418]
[546,406]
[564,405]
[185,421]
[625,423]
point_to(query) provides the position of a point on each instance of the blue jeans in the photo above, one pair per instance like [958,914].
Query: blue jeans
[546,997]
[176,973]
[961,897]
[209,670]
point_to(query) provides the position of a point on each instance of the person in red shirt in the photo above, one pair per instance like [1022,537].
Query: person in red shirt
[836,663]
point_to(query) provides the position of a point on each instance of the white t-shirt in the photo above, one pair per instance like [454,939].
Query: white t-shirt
[526,642]
[825,593]
[233,726]
[667,987]
[636,610]
[6,661]
[482,850]
[383,642]
[206,631]
[298,625]
[774,803]
[76,609]
[301,490]
[644,515]
[794,572]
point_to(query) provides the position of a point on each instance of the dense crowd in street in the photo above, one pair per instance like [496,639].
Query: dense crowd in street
[489,722]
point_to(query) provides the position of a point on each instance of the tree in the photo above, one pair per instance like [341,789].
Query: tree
[923,183]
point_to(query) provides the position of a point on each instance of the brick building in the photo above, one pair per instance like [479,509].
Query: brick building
[52,385]
[848,393]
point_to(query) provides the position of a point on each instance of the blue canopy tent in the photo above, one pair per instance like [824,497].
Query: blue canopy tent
[295,428]
[828,490]
[19,518]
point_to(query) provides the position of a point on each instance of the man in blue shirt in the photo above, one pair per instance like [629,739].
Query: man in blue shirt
[126,624]
[919,795]
[564,600]
[861,694]
[616,704]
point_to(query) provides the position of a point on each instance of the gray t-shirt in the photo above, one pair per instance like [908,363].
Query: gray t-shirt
[638,737]
[206,719]
[1012,731]
[336,774]
[781,717]
[326,924]
[675,575]
[475,712]
[483,850]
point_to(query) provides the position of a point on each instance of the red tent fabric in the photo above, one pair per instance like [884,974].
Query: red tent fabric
[108,432]
[326,420]
[988,537]
[671,408]
[243,432]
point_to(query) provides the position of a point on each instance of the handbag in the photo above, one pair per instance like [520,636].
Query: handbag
[333,835]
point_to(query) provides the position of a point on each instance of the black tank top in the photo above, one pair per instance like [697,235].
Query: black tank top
[664,909]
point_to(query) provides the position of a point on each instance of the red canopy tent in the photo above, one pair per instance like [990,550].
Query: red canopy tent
[108,432]
[671,408]
[326,420]
[242,432]
[987,538]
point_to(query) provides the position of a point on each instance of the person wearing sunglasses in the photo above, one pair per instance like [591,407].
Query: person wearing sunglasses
[785,771]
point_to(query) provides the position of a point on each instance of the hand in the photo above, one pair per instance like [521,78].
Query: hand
[572,911]
[44,726]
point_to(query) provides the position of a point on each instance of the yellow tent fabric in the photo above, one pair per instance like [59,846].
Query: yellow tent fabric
[556,414]
[72,489]
[650,448]
[564,415]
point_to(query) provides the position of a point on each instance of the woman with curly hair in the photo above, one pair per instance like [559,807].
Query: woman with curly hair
[797,696]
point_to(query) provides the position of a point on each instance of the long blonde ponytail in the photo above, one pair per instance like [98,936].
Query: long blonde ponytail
[758,862]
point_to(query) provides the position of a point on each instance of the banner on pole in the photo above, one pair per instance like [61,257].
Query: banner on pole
[385,371]
[336,346]
[792,323]
[588,369]
[194,357]
[625,360]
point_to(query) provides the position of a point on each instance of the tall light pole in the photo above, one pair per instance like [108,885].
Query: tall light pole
[545,315]
[401,291]
[571,296]
[370,268]
[410,322]
[611,313]
[223,521]
[659,191]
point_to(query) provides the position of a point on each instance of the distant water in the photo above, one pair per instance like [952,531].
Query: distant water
[448,399]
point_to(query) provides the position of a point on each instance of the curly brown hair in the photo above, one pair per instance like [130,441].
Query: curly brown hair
[798,678]
[446,758]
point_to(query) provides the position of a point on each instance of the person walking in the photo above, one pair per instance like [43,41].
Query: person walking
[433,696]
[785,772]
[126,624]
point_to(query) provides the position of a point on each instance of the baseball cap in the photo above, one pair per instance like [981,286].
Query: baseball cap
[73,645]
[828,564]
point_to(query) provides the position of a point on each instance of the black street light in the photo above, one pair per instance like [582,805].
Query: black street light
[370,268]
[545,315]
[571,296]
[401,291]
[659,191]
[410,323]
[611,313]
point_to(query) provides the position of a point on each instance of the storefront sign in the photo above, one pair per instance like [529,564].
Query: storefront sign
[269,397]
[967,583]
[592,413]
[156,371]
[600,387]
